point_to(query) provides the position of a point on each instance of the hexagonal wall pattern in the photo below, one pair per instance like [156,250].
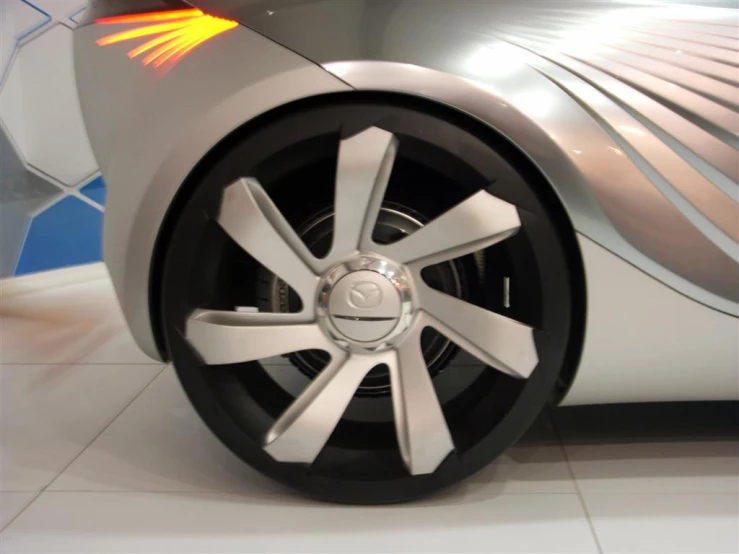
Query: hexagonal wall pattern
[51,199]
[54,136]
[18,20]
[22,193]
[95,190]
[76,16]
[47,248]
[60,10]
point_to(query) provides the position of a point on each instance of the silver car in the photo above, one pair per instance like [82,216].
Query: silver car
[377,237]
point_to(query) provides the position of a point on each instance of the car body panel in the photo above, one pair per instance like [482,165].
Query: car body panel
[149,131]
[645,342]
[575,75]
[608,196]
[636,326]
[658,248]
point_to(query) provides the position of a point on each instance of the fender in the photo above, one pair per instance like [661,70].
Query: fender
[149,131]
[602,192]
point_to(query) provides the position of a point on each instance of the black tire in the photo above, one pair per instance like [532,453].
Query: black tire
[443,152]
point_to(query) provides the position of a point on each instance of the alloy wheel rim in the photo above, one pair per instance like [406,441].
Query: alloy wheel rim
[251,219]
[394,221]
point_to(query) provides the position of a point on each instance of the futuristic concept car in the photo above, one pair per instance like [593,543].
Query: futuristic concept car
[377,237]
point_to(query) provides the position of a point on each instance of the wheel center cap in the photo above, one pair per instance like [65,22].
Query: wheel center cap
[365,303]
[364,306]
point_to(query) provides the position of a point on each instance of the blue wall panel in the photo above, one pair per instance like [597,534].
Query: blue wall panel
[67,233]
[95,190]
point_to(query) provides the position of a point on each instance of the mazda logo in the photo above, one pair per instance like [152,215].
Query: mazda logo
[365,295]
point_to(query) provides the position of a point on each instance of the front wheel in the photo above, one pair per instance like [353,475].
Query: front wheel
[367,300]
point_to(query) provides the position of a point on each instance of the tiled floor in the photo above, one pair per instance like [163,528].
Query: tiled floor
[102,453]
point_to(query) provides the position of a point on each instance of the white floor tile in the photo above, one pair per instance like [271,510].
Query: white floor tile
[536,464]
[160,444]
[665,523]
[527,468]
[49,414]
[688,447]
[207,522]
[13,503]
[75,323]
[656,467]
[654,479]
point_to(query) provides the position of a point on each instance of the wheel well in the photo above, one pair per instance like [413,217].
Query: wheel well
[512,154]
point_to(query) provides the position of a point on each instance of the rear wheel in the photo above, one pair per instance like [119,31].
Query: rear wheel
[366,301]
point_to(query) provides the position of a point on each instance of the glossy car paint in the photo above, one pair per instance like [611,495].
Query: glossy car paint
[543,60]
[645,167]
[610,198]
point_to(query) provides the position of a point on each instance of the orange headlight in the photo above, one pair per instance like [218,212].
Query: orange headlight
[175,33]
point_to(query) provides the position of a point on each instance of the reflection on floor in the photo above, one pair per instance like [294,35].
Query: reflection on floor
[101,452]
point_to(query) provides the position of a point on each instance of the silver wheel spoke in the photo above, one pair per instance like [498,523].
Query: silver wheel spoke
[362,174]
[494,339]
[303,429]
[250,217]
[423,435]
[476,223]
[221,337]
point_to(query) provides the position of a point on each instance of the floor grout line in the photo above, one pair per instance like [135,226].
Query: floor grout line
[584,506]
[44,489]
[164,367]
[16,516]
